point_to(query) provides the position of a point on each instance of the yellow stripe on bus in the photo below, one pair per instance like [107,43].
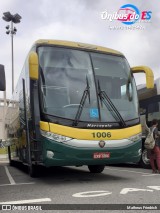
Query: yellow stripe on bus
[78,45]
[91,134]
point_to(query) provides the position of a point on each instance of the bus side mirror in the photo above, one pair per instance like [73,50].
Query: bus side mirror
[149,75]
[2,78]
[33,66]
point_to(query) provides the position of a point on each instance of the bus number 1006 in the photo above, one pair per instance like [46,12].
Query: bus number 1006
[101,135]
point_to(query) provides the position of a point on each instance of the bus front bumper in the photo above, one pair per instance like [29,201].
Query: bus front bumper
[60,154]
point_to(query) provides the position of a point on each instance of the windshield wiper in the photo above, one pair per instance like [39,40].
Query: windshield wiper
[109,104]
[128,92]
[86,93]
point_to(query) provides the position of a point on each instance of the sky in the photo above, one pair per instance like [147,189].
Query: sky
[80,21]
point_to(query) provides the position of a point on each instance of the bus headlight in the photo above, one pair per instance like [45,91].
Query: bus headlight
[55,137]
[136,137]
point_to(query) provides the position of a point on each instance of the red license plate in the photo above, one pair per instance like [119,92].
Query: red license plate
[100,155]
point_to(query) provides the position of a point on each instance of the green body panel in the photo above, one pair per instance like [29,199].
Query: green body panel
[65,155]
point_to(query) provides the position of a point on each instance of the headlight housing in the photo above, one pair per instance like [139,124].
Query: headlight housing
[136,137]
[55,137]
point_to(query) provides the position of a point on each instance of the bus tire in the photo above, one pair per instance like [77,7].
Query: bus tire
[96,168]
[33,170]
[11,163]
[144,161]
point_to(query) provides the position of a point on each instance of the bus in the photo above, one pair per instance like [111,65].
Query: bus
[75,104]
[149,101]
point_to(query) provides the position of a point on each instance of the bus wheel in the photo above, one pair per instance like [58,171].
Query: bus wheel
[96,168]
[144,162]
[33,170]
[11,162]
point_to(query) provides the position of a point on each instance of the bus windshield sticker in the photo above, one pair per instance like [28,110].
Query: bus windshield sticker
[94,113]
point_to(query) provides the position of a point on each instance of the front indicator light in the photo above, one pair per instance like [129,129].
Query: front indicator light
[136,137]
[50,154]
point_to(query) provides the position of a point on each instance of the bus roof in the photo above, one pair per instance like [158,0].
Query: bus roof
[78,45]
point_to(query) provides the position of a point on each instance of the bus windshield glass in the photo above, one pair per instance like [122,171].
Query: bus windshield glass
[63,74]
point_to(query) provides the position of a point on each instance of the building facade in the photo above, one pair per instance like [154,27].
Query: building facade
[3,132]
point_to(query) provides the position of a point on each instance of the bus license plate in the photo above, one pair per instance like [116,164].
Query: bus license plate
[100,155]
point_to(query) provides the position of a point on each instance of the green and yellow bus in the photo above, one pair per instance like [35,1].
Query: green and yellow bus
[75,104]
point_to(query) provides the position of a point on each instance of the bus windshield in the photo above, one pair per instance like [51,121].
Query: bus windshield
[63,74]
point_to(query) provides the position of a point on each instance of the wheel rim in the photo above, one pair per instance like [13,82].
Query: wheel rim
[144,157]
